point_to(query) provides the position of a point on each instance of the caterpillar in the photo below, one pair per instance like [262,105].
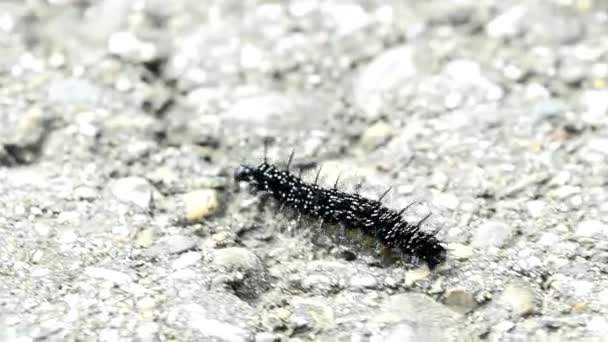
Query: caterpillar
[333,206]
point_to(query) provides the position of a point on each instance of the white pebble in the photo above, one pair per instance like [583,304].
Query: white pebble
[133,190]
[592,228]
[112,276]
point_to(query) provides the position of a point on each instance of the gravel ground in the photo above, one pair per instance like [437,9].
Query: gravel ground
[121,123]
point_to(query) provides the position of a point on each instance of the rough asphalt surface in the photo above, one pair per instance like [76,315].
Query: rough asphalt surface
[121,123]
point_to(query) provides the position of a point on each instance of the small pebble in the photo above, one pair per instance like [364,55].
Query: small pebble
[603,297]
[591,228]
[503,326]
[492,234]
[459,251]
[187,259]
[311,313]
[127,45]
[446,200]
[237,258]
[412,276]
[266,337]
[145,238]
[42,229]
[109,335]
[598,325]
[460,299]
[133,190]
[112,276]
[147,332]
[520,299]
[200,204]
[376,135]
[364,281]
[507,24]
[387,71]
[434,321]
[536,208]
[172,244]
[67,237]
[582,288]
[85,193]
[73,92]
[146,303]
[317,281]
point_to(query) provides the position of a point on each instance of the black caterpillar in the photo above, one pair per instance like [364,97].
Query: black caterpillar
[351,210]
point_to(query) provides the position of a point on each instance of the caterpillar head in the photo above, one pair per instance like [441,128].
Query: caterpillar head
[255,176]
[244,173]
[434,255]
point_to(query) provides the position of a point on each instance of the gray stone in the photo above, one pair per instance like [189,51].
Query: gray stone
[406,333]
[385,73]
[237,258]
[599,147]
[520,299]
[21,139]
[460,299]
[591,228]
[187,259]
[85,193]
[492,234]
[446,200]
[317,282]
[572,73]
[108,275]
[147,331]
[466,72]
[417,307]
[376,135]
[423,318]
[74,92]
[110,16]
[363,281]
[459,251]
[133,190]
[172,244]
[129,46]
[311,314]
[267,337]
[146,237]
[415,275]
[503,327]
[200,319]
[595,104]
[260,108]
[549,107]
[109,335]
[548,239]
[598,325]
[508,23]
[536,208]
[603,297]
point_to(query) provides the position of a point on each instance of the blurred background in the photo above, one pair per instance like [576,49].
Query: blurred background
[121,123]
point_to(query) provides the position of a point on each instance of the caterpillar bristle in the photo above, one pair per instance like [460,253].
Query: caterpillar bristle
[317,176]
[289,160]
[384,194]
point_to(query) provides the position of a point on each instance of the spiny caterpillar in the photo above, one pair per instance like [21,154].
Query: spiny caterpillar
[333,206]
